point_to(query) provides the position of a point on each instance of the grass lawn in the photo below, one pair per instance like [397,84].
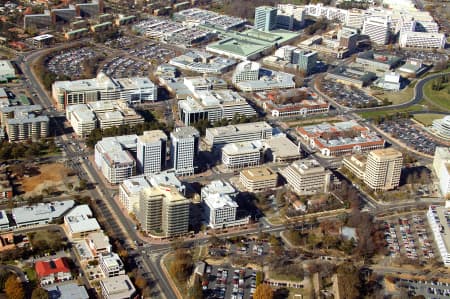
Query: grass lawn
[290,277]
[439,98]
[31,274]
[396,97]
[427,119]
[375,113]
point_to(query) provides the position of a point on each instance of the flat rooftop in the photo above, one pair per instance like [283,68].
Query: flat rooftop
[282,147]
[259,173]
[41,211]
[239,128]
[240,148]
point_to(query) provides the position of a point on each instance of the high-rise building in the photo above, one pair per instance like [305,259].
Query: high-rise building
[306,60]
[265,18]
[151,152]
[163,210]
[184,149]
[383,169]
[378,29]
[441,166]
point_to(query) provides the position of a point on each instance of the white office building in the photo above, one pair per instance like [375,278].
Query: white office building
[82,119]
[439,219]
[102,87]
[113,157]
[246,71]
[242,154]
[151,152]
[219,210]
[219,136]
[118,287]
[265,18]
[427,40]
[441,166]
[213,105]
[41,213]
[111,265]
[184,149]
[441,127]
[218,187]
[307,177]
[378,29]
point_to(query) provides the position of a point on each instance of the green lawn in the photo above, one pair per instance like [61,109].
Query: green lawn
[396,97]
[376,113]
[427,119]
[439,98]
[31,274]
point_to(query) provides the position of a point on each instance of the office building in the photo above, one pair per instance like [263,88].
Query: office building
[163,211]
[117,287]
[378,63]
[351,76]
[42,213]
[249,77]
[258,179]
[98,244]
[184,148]
[340,139]
[242,154]
[441,127]
[219,210]
[307,177]
[441,166]
[219,136]
[280,149]
[218,187]
[4,222]
[203,62]
[151,152]
[438,219]
[389,81]
[306,60]
[297,12]
[196,16]
[213,105]
[114,159]
[425,40]
[82,119]
[383,169]
[80,222]
[111,265]
[265,18]
[356,164]
[134,90]
[378,29]
[246,71]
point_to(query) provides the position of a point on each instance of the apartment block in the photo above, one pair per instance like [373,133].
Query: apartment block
[163,211]
[23,122]
[219,136]
[383,169]
[307,177]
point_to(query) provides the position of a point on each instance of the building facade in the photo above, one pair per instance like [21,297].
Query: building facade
[383,169]
[258,179]
[184,149]
[307,177]
[219,136]
[265,18]
[151,152]
[242,154]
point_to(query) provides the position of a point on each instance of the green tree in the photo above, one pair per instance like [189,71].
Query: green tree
[39,293]
[259,277]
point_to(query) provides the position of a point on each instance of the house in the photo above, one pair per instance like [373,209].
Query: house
[52,271]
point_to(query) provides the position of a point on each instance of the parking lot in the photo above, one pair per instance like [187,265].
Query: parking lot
[154,52]
[122,42]
[410,134]
[69,62]
[229,283]
[409,237]
[120,67]
[428,289]
[426,56]
[346,96]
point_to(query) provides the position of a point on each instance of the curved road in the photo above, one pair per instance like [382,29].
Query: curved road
[16,270]
[417,96]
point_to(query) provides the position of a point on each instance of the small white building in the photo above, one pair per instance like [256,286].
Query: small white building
[117,287]
[111,265]
[219,210]
[79,222]
[390,81]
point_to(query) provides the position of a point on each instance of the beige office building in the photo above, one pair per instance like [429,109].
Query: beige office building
[307,177]
[383,169]
[163,211]
[258,179]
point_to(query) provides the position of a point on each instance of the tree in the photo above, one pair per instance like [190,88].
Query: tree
[13,288]
[263,291]
[196,292]
[3,278]
[259,278]
[39,293]
[348,276]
